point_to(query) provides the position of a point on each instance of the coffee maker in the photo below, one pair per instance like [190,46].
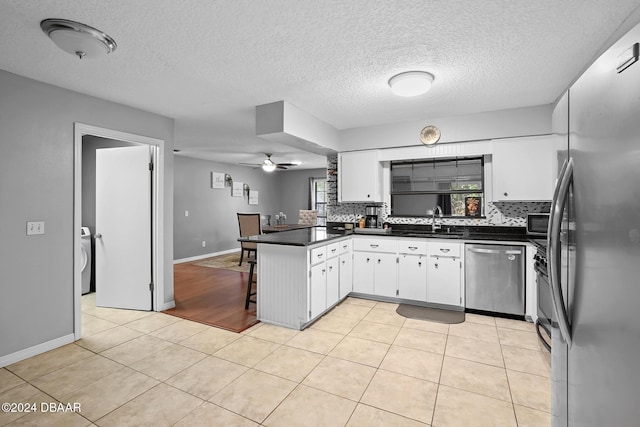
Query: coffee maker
[371,217]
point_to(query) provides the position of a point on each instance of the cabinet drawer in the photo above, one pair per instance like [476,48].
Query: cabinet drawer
[416,246]
[318,254]
[345,246]
[333,250]
[444,249]
[375,245]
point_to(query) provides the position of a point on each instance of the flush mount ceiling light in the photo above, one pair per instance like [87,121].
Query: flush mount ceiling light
[78,39]
[411,83]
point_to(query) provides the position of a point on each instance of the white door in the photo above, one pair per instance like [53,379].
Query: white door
[412,277]
[123,228]
[386,276]
[318,289]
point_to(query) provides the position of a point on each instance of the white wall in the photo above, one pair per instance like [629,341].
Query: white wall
[494,124]
[36,183]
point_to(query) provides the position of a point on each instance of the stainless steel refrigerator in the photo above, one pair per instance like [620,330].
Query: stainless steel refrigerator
[594,246]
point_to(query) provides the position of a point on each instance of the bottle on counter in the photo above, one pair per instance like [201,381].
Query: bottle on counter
[361,222]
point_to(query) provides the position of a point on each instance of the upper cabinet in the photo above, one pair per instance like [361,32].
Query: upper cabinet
[524,169]
[359,177]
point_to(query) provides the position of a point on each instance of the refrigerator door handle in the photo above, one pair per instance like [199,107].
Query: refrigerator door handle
[553,249]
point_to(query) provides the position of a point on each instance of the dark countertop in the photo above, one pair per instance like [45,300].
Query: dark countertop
[299,237]
[313,235]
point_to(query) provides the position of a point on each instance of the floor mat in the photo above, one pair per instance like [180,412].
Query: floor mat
[226,262]
[432,314]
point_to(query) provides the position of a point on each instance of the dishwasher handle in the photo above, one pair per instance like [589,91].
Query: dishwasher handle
[494,251]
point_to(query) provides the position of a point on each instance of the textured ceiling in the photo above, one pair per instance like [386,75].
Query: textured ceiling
[207,63]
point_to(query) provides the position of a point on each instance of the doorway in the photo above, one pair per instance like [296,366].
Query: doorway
[118,138]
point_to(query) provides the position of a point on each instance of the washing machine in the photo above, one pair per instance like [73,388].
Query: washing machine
[85,259]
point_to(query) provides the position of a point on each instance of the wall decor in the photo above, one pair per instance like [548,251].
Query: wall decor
[253,197]
[237,189]
[217,180]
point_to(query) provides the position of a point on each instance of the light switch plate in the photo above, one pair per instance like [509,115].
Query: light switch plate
[35,227]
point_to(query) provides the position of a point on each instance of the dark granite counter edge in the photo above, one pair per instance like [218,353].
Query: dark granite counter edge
[317,235]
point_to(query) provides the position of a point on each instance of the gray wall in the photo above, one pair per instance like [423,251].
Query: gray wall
[294,190]
[89,146]
[36,183]
[212,212]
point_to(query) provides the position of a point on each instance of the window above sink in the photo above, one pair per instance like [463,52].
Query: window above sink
[454,184]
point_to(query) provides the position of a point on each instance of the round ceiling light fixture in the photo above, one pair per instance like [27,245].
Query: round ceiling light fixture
[411,83]
[268,165]
[78,39]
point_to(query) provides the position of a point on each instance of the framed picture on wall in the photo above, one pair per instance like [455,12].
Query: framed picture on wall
[217,180]
[237,189]
[253,197]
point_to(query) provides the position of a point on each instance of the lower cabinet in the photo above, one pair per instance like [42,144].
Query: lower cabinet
[318,289]
[345,274]
[444,284]
[333,280]
[375,274]
[412,277]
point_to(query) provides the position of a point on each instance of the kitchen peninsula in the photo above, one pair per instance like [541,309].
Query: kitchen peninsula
[304,273]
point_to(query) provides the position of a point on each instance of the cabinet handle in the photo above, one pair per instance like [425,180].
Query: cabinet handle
[320,255]
[323,271]
[333,251]
[505,194]
[331,268]
[413,248]
[435,265]
[343,262]
[378,261]
[419,264]
[344,246]
[368,260]
[444,250]
[374,246]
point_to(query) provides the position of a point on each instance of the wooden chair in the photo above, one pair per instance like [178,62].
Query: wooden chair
[308,217]
[250,284]
[249,225]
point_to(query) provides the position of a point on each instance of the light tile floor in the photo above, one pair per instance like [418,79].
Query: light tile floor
[360,365]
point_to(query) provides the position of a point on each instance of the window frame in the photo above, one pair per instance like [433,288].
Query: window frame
[471,192]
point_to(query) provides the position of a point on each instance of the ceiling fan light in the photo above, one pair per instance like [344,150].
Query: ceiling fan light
[411,83]
[268,166]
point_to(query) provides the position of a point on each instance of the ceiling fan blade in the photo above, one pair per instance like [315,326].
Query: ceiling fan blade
[280,166]
[251,164]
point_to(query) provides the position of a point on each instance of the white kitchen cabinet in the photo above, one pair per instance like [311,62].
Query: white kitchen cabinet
[375,266]
[359,177]
[412,277]
[318,289]
[364,272]
[444,273]
[345,267]
[524,168]
[385,280]
[333,281]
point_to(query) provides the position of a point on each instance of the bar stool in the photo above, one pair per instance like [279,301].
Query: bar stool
[250,282]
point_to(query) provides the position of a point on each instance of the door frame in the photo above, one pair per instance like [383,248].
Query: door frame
[157,220]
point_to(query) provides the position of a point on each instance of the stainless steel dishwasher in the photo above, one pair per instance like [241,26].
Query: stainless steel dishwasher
[494,278]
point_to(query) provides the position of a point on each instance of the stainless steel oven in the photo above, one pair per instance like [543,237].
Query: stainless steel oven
[545,303]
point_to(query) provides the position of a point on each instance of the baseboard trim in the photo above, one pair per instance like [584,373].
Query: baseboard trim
[199,257]
[35,350]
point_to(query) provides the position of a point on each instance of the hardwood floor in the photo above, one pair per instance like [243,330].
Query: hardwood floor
[212,296]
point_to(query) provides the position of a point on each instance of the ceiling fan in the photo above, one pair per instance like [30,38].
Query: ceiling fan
[269,165]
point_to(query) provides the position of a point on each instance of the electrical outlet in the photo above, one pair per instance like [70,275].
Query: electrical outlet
[204,244]
[35,227]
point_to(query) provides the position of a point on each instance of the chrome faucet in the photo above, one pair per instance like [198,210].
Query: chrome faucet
[435,227]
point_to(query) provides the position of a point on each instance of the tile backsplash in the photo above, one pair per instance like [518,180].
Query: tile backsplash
[511,214]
